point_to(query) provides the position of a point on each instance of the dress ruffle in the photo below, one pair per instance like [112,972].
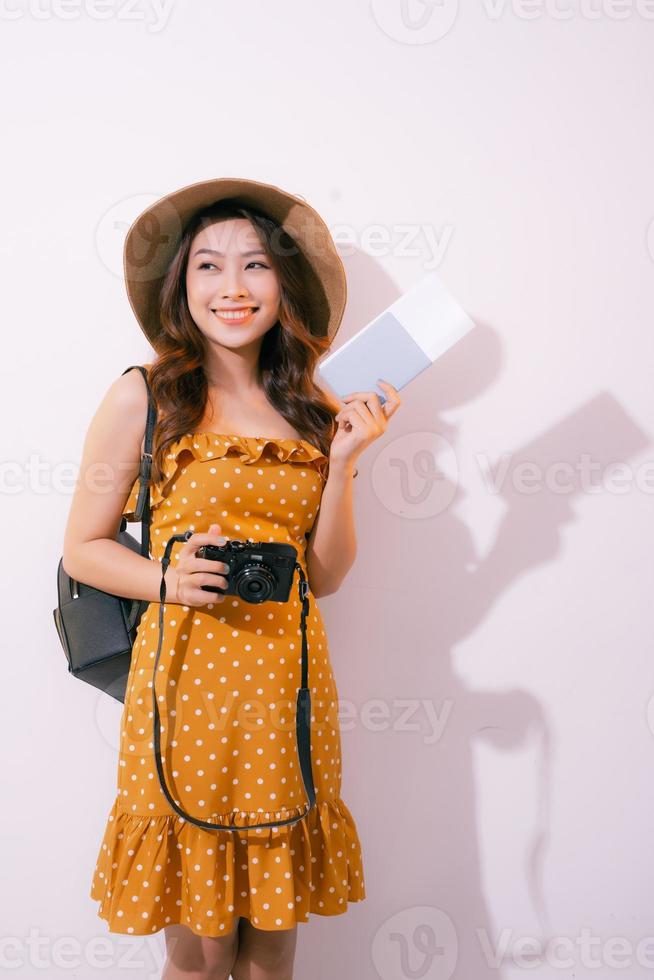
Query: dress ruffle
[212,445]
[155,871]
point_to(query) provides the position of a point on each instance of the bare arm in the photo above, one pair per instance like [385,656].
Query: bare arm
[331,548]
[110,464]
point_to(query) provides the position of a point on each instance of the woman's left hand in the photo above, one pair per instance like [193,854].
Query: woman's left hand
[360,422]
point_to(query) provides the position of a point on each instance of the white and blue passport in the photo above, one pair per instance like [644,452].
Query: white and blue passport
[400,343]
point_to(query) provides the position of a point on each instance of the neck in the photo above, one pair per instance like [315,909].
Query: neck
[234,372]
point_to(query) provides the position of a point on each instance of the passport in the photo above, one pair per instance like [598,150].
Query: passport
[401,342]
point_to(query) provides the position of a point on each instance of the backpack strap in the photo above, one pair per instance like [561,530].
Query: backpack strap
[142,509]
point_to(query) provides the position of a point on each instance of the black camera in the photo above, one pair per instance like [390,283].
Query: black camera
[258,571]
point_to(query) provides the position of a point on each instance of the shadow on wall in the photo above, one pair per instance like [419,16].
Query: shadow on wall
[418,588]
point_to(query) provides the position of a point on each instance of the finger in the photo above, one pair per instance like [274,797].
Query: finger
[389,408]
[393,400]
[369,398]
[373,401]
[345,420]
[206,578]
[214,565]
[363,395]
[203,537]
[358,415]
[391,391]
[366,415]
[375,409]
[207,537]
[200,597]
[197,596]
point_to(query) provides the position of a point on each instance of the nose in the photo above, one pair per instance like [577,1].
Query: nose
[231,284]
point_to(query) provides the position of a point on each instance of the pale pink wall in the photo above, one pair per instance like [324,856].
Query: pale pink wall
[492,650]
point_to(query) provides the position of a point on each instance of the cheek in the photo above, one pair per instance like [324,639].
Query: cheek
[196,291]
[269,290]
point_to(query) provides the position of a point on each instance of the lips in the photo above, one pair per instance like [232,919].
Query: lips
[235,315]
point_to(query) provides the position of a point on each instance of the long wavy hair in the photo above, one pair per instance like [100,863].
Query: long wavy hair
[287,359]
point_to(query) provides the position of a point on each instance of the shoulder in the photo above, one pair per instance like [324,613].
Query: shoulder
[125,405]
[128,391]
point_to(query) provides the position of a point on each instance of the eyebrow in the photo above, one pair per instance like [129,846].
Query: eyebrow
[213,251]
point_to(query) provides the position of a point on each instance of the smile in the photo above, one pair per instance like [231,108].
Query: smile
[235,316]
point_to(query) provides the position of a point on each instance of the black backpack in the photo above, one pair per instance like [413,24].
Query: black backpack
[97,630]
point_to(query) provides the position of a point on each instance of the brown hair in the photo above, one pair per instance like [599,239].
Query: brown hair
[288,356]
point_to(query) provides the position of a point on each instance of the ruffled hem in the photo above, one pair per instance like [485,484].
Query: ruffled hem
[155,871]
[213,445]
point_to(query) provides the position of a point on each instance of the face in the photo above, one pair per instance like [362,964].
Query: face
[232,290]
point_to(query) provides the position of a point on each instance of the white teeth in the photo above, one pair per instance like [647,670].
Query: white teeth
[234,314]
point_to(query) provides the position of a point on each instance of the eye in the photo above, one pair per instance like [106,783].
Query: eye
[205,265]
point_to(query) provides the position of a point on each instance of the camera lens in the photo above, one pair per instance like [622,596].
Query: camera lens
[255,583]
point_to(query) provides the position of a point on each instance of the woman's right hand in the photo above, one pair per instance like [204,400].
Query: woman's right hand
[191,573]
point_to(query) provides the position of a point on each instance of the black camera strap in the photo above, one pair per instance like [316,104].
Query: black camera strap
[303,709]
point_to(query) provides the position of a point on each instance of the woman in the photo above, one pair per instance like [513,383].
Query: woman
[238,312]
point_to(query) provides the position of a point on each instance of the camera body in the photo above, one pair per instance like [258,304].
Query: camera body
[258,571]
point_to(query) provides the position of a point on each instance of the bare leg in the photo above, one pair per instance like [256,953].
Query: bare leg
[264,954]
[193,957]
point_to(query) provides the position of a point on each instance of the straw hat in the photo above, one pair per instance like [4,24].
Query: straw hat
[154,236]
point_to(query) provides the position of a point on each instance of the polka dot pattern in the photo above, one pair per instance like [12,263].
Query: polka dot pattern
[226,691]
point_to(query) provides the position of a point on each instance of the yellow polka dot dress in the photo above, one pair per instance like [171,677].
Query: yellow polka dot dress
[226,690]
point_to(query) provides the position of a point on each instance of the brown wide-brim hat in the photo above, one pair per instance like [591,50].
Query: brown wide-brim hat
[154,236]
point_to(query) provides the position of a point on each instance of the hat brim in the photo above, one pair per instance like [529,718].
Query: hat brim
[154,236]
